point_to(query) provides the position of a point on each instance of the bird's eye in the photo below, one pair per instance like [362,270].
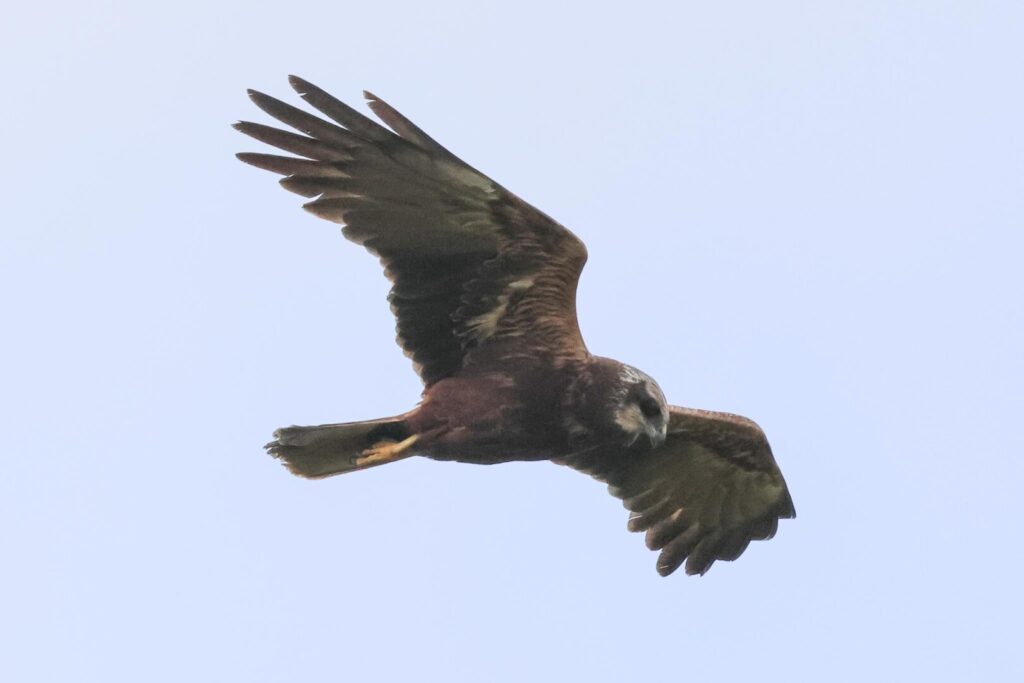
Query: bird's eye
[649,407]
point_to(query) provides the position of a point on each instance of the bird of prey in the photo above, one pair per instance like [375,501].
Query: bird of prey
[483,287]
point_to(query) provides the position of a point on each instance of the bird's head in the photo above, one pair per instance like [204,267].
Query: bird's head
[640,409]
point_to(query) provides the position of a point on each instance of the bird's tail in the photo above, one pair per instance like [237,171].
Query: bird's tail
[326,450]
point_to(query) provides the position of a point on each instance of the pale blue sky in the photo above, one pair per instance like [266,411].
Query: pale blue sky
[810,213]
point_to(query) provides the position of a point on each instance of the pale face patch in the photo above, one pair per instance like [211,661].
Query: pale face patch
[642,409]
[631,420]
[630,375]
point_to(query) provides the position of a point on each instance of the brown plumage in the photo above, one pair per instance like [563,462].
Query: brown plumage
[484,294]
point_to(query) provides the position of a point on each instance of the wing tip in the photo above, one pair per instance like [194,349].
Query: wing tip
[248,127]
[299,84]
[261,100]
[698,570]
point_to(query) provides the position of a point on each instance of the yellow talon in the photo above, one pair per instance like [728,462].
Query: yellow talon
[386,451]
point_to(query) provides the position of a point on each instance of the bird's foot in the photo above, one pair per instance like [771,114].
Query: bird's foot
[386,451]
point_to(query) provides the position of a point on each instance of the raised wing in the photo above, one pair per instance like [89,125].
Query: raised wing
[469,262]
[709,490]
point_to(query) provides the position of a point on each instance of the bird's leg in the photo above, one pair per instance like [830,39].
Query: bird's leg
[386,451]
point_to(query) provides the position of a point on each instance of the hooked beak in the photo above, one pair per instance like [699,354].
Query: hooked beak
[657,436]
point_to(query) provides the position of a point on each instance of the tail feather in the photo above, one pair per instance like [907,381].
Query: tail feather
[326,450]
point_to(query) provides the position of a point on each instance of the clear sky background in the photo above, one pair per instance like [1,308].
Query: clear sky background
[810,213]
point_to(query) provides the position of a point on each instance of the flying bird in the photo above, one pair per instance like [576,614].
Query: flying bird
[483,288]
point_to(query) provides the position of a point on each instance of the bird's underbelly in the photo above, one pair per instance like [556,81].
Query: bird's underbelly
[468,445]
[486,421]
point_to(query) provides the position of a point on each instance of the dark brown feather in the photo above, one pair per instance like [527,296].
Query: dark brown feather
[403,126]
[288,165]
[291,142]
[470,263]
[313,126]
[340,112]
